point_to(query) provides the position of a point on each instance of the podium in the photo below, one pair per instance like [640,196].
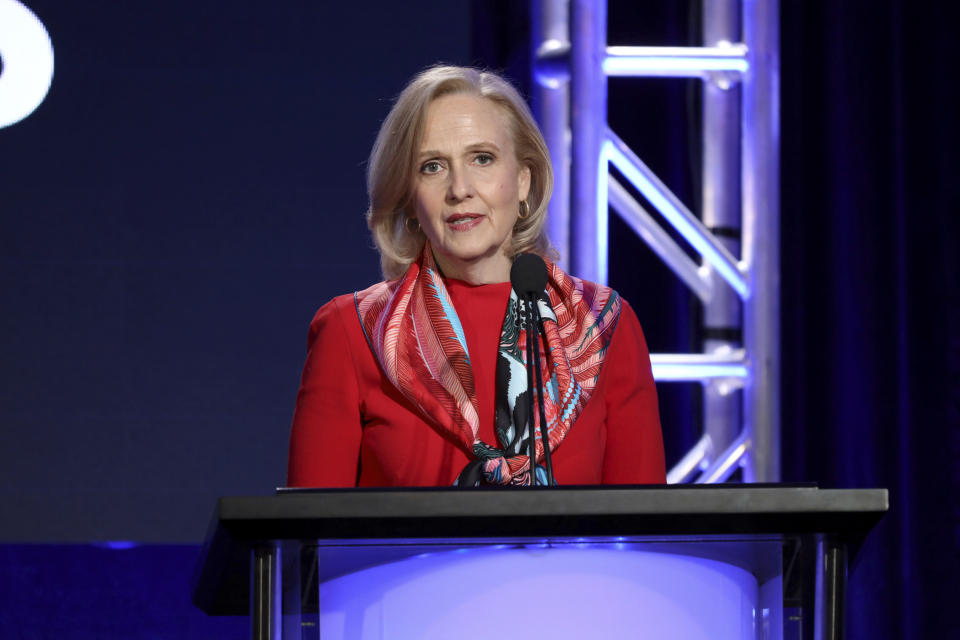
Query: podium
[711,561]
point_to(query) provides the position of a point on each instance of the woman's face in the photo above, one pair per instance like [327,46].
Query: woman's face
[468,186]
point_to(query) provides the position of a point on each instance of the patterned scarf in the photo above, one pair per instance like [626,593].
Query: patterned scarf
[414,332]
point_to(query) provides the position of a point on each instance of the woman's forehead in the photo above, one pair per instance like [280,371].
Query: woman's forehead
[463,120]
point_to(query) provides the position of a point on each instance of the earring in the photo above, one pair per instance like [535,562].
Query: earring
[412,230]
[524,210]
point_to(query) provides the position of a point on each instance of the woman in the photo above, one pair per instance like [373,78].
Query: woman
[419,380]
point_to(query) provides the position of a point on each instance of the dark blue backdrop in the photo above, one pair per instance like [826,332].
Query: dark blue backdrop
[188,194]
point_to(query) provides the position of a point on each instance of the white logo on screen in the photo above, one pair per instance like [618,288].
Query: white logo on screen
[26,54]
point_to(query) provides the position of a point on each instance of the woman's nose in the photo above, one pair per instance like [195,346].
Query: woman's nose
[460,186]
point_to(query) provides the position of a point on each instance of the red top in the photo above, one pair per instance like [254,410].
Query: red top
[352,427]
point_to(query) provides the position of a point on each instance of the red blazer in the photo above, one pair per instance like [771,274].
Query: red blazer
[352,427]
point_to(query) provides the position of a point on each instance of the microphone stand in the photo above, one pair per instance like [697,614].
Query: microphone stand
[533,369]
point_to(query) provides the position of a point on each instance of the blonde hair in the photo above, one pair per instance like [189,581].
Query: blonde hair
[393,162]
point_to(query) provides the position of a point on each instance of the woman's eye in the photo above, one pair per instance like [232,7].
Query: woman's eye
[483,158]
[430,167]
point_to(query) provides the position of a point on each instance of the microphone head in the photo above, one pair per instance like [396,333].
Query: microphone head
[528,275]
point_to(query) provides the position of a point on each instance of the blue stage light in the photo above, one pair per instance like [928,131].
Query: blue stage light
[676,371]
[674,61]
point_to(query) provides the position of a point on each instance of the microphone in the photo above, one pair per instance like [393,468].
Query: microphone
[528,277]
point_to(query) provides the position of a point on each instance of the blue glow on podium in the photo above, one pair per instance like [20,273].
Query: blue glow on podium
[581,592]
[118,545]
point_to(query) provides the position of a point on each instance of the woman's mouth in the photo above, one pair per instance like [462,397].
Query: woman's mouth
[464,221]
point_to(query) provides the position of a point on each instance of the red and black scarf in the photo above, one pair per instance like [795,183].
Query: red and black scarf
[416,336]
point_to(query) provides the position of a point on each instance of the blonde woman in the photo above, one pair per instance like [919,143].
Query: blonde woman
[420,379]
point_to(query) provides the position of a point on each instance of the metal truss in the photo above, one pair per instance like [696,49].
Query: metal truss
[736,236]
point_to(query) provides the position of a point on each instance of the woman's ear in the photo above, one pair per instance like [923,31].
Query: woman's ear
[523,182]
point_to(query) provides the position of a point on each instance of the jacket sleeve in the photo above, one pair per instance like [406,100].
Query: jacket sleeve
[327,421]
[634,448]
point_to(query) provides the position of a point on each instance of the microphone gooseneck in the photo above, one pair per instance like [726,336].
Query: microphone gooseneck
[528,277]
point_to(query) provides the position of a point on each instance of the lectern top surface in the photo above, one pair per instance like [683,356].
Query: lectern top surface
[621,510]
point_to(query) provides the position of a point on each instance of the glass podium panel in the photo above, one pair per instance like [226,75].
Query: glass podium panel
[755,587]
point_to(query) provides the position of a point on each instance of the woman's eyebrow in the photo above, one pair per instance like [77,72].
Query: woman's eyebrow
[429,153]
[483,145]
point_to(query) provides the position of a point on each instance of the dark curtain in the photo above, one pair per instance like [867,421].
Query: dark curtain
[870,283]
[871,312]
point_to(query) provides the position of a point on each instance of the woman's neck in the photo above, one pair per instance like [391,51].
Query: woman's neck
[489,270]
